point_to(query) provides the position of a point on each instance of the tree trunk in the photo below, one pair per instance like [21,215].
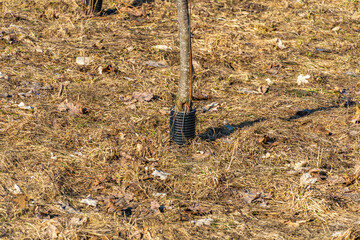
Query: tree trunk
[183,98]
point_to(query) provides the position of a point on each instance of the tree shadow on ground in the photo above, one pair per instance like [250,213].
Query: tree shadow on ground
[211,134]
[306,112]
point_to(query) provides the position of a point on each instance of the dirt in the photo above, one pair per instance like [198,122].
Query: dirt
[276,154]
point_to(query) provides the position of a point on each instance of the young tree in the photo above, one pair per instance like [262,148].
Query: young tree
[183,98]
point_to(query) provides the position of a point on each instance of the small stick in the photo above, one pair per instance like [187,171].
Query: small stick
[61,90]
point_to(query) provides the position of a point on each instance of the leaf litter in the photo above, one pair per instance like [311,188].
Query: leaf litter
[76,109]
[28,139]
[138,97]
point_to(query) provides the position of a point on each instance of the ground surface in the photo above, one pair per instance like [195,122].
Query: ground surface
[279,165]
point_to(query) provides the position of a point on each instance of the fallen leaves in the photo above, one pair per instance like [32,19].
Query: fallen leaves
[73,109]
[274,68]
[316,175]
[117,203]
[5,95]
[267,141]
[89,201]
[21,200]
[36,86]
[303,79]
[155,207]
[77,221]
[263,89]
[199,155]
[353,195]
[160,64]
[200,96]
[51,231]
[307,179]
[15,190]
[280,44]
[162,175]
[107,69]
[163,48]
[25,107]
[212,107]
[255,196]
[83,60]
[132,11]
[4,76]
[201,222]
[138,97]
[197,210]
[321,130]
[67,208]
[356,118]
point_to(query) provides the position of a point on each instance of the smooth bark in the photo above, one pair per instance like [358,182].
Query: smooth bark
[183,101]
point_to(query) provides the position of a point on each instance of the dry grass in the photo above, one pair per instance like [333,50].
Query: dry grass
[59,159]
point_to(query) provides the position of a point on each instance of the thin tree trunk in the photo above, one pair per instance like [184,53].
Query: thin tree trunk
[183,101]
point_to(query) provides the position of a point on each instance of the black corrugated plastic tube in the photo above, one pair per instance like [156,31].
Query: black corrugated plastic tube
[182,126]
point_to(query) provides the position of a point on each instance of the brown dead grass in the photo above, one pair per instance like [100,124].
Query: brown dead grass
[58,159]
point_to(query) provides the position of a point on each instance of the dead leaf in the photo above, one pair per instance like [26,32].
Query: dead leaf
[201,155]
[255,196]
[15,190]
[75,221]
[196,65]
[71,108]
[138,97]
[126,156]
[136,12]
[197,210]
[274,68]
[212,107]
[318,173]
[263,89]
[247,91]
[51,232]
[264,139]
[66,207]
[339,90]
[200,96]
[99,45]
[352,178]
[307,179]
[320,129]
[108,69]
[295,222]
[160,64]
[110,207]
[334,179]
[162,175]
[201,222]
[139,148]
[267,141]
[89,201]
[355,196]
[357,171]
[155,207]
[21,200]
[248,196]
